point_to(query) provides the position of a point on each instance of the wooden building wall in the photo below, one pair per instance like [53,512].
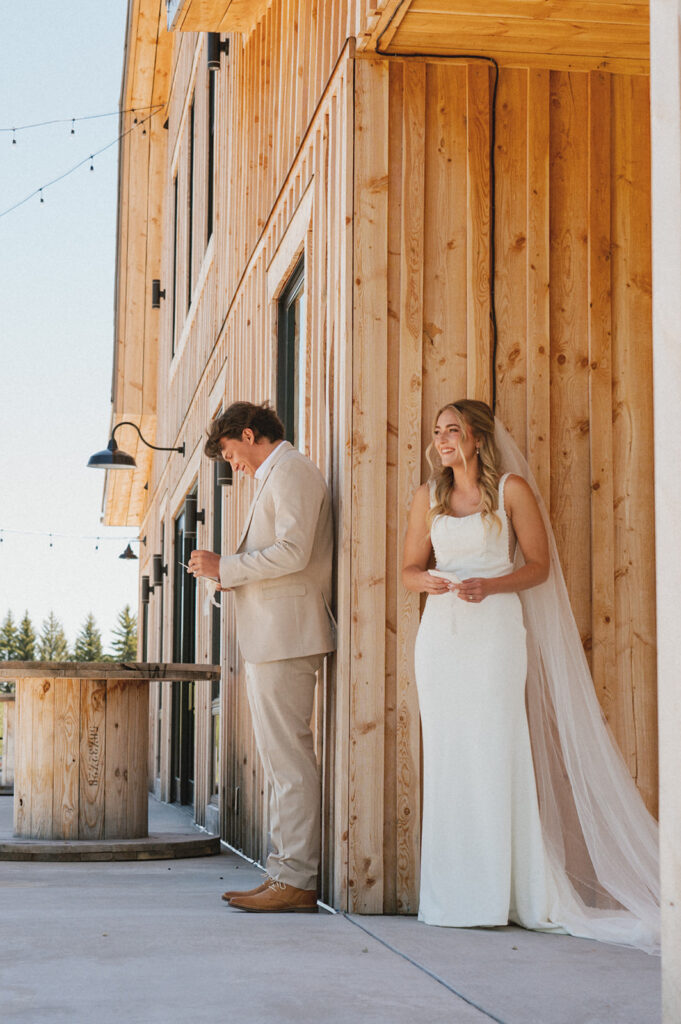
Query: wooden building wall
[378,170]
[269,209]
[573,374]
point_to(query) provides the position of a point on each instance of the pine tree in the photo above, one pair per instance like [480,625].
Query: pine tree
[88,642]
[52,644]
[124,646]
[8,639]
[25,644]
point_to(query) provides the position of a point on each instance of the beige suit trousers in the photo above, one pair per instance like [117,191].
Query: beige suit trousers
[281,695]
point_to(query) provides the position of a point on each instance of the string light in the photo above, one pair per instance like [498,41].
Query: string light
[86,117]
[39,191]
[63,536]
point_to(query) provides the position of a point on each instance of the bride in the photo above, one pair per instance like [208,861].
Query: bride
[529,812]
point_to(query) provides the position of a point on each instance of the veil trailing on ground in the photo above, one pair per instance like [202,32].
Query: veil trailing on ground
[601,842]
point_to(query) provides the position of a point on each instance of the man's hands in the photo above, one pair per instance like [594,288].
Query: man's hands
[205,563]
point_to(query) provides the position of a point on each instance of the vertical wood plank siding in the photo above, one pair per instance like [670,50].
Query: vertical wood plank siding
[573,292]
[392,158]
[268,157]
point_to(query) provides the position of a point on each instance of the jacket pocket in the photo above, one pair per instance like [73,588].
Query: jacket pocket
[275,590]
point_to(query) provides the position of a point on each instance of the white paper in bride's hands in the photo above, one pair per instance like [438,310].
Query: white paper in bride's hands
[451,576]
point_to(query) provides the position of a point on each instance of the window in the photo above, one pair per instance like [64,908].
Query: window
[291,356]
[145,630]
[184,650]
[210,172]
[159,716]
[217,546]
[190,207]
[173,293]
[216,638]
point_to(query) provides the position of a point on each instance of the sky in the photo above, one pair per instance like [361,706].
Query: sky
[57,262]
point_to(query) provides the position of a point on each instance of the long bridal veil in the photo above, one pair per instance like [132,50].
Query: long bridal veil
[601,841]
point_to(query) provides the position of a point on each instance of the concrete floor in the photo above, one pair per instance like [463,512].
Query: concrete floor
[146,942]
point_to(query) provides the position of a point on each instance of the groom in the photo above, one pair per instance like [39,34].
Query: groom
[281,578]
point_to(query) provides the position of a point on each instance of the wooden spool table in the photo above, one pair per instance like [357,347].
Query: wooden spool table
[81,747]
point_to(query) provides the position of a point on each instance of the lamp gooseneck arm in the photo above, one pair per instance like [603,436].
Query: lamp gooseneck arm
[157,448]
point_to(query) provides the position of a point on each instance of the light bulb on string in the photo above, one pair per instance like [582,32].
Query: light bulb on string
[41,196]
[14,136]
[73,126]
[51,541]
[92,162]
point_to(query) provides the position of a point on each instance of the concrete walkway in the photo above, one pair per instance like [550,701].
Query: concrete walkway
[147,942]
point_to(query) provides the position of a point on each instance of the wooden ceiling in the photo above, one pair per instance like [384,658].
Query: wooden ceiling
[216,15]
[610,34]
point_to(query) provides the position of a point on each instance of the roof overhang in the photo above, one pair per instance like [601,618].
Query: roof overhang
[144,95]
[561,34]
[215,15]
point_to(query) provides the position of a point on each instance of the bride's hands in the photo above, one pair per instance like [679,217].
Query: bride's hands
[430,584]
[475,589]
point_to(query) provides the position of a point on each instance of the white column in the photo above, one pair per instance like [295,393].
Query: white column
[665,61]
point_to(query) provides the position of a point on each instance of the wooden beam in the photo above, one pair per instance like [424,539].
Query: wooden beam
[666,215]
[366,805]
[407,768]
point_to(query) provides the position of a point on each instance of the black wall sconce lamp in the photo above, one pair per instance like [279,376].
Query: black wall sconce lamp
[224,477]
[214,47]
[146,590]
[112,457]
[128,554]
[157,294]
[192,516]
[158,570]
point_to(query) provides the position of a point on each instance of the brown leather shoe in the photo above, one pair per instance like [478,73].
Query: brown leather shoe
[227,896]
[278,898]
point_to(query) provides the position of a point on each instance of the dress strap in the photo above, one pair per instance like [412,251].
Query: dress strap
[502,483]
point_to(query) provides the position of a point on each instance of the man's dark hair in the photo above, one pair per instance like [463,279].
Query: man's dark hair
[261,419]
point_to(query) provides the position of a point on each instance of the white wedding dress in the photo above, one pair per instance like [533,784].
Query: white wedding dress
[541,826]
[483,860]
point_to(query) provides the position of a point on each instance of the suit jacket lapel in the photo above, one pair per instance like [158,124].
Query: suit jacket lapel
[285,446]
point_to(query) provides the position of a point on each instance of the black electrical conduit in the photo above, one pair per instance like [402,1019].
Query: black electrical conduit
[492,174]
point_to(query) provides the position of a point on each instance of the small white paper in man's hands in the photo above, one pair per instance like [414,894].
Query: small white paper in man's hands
[209,596]
[211,588]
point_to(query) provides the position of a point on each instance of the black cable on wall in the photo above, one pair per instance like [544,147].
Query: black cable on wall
[468,57]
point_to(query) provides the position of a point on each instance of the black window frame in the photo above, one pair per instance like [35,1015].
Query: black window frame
[287,350]
[210,171]
[173,329]
[190,203]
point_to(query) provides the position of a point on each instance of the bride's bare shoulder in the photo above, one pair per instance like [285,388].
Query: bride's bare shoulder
[420,503]
[515,482]
[422,495]
[518,491]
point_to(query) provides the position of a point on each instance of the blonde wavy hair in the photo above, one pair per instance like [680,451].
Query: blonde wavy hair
[477,419]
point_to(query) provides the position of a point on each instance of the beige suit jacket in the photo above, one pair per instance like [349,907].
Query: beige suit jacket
[281,572]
